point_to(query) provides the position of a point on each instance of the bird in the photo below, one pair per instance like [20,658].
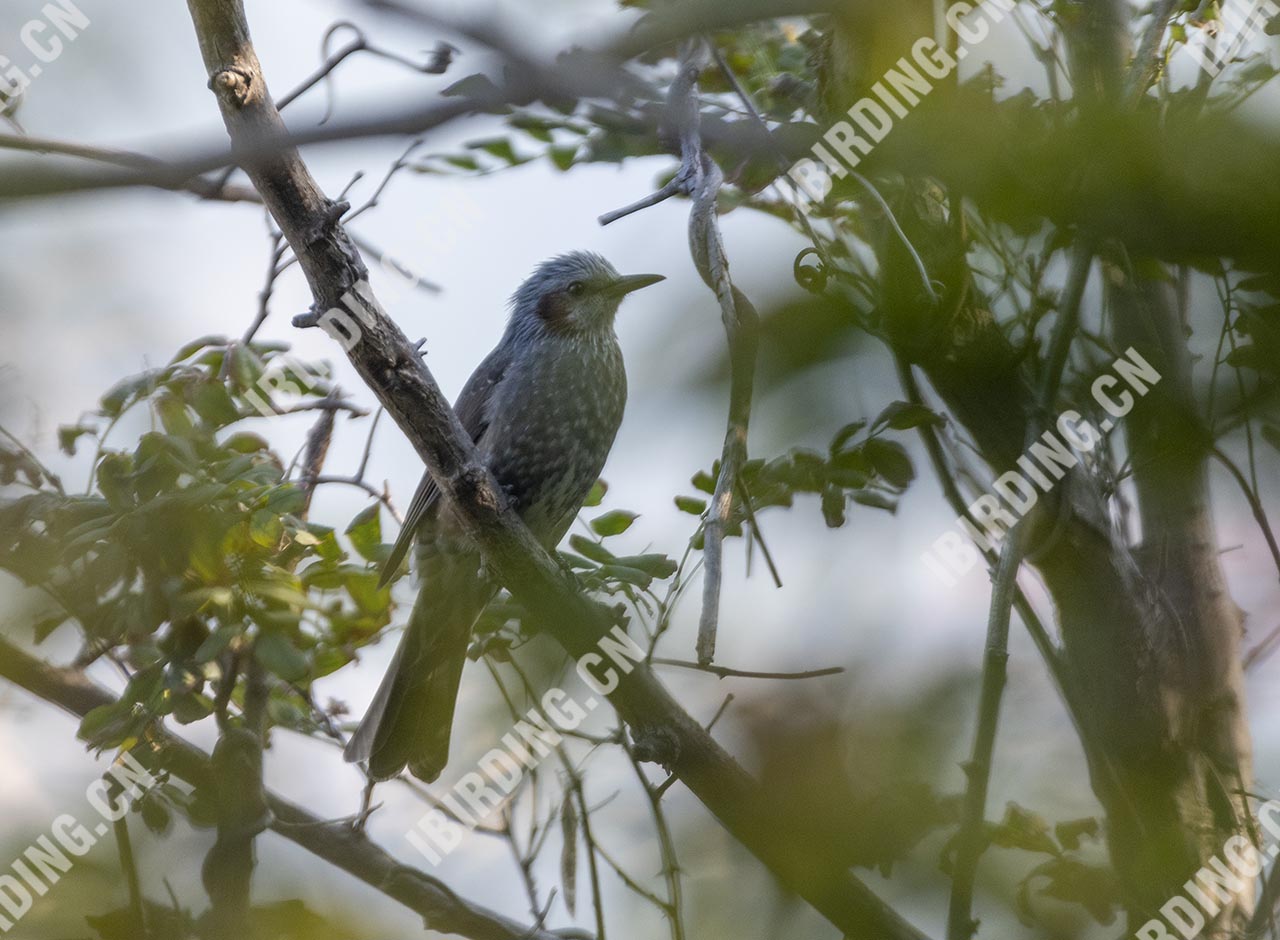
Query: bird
[543,409]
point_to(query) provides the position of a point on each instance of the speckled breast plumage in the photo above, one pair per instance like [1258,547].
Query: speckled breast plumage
[554,423]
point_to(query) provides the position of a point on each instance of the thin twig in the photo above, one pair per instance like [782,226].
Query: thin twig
[724,672]
[368,445]
[1255,504]
[970,841]
[1067,325]
[129,865]
[672,907]
[1263,649]
[593,851]
[1004,594]
[756,534]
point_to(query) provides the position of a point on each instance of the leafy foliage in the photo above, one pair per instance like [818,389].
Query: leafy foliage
[863,468]
[192,547]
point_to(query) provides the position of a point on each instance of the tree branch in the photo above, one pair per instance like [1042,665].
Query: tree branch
[390,365]
[166,177]
[334,842]
[700,178]
[971,841]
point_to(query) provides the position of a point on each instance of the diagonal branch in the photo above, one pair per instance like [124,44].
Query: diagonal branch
[392,368]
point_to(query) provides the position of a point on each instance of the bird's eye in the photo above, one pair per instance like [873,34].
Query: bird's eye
[575,288]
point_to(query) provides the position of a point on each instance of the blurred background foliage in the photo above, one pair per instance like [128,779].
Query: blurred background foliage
[192,562]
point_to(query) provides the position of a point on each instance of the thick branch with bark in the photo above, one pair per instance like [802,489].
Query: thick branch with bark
[1197,670]
[390,365]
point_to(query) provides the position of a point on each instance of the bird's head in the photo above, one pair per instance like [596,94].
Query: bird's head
[575,293]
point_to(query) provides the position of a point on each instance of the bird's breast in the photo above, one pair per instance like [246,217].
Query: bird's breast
[552,429]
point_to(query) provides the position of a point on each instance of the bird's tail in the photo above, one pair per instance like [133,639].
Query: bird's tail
[411,717]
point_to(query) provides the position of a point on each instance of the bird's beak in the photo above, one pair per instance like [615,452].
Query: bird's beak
[632,282]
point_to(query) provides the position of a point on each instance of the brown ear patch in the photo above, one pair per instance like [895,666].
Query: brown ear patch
[553,307]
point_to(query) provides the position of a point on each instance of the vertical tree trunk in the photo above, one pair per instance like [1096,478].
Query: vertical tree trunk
[1196,669]
[1151,639]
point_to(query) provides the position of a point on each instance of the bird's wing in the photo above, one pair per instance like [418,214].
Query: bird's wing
[474,411]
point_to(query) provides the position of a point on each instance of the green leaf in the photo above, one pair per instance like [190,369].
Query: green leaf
[562,156]
[890,461]
[363,587]
[193,347]
[69,434]
[593,550]
[155,814]
[279,657]
[125,391]
[473,86]
[189,708]
[659,566]
[596,496]
[44,627]
[173,415]
[1259,282]
[286,499]
[1250,356]
[902,415]
[846,434]
[876,500]
[266,529]
[833,507]
[576,562]
[1271,434]
[462,161]
[616,572]
[704,481]
[613,523]
[327,547]
[692,505]
[246,443]
[145,685]
[213,403]
[365,533]
[247,368]
[215,644]
[499,147]
[110,725]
